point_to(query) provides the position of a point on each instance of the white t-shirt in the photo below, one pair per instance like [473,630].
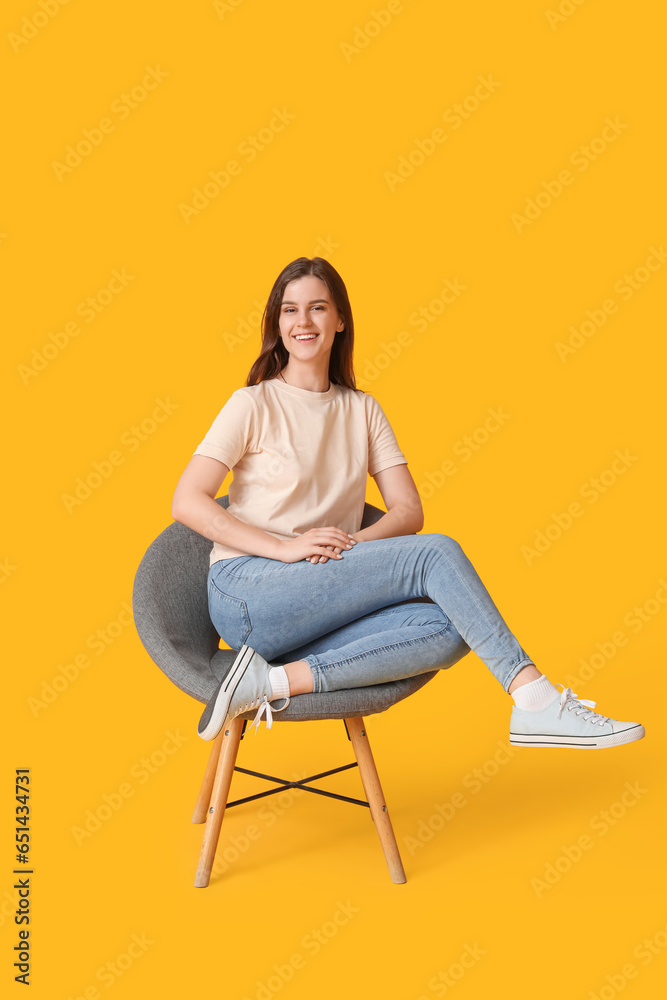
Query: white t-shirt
[300,458]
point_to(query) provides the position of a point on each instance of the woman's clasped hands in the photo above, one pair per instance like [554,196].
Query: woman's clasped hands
[317,545]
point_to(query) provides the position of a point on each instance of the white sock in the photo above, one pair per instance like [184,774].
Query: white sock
[279,683]
[535,695]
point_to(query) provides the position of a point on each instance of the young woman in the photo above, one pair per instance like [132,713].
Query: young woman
[308,600]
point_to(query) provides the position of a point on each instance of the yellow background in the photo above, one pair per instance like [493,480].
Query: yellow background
[319,187]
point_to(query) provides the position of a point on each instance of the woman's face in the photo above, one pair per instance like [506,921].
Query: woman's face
[309,319]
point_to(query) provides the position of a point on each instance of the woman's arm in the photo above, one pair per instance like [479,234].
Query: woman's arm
[405,515]
[194,506]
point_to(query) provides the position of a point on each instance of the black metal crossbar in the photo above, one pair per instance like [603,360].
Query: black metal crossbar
[283,784]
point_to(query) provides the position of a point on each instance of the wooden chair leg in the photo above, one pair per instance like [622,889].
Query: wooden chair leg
[204,798]
[231,738]
[373,790]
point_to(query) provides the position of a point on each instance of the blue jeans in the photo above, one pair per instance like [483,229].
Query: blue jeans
[354,620]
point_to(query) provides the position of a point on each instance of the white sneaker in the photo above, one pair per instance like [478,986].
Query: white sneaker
[246,686]
[570,721]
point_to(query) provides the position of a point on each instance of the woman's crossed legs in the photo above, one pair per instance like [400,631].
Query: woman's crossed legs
[348,623]
[352,622]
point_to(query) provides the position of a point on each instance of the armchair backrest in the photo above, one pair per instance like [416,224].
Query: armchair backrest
[170,604]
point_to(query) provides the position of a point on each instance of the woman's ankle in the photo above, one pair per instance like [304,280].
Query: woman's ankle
[525,676]
[300,677]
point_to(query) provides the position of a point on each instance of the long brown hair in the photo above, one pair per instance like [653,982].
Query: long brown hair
[274,356]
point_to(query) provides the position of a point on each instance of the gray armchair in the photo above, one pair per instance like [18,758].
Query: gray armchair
[170,604]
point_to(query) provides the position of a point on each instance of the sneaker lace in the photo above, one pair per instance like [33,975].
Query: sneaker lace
[572,701]
[265,707]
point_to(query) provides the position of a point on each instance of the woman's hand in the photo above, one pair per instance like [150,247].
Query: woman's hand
[317,545]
